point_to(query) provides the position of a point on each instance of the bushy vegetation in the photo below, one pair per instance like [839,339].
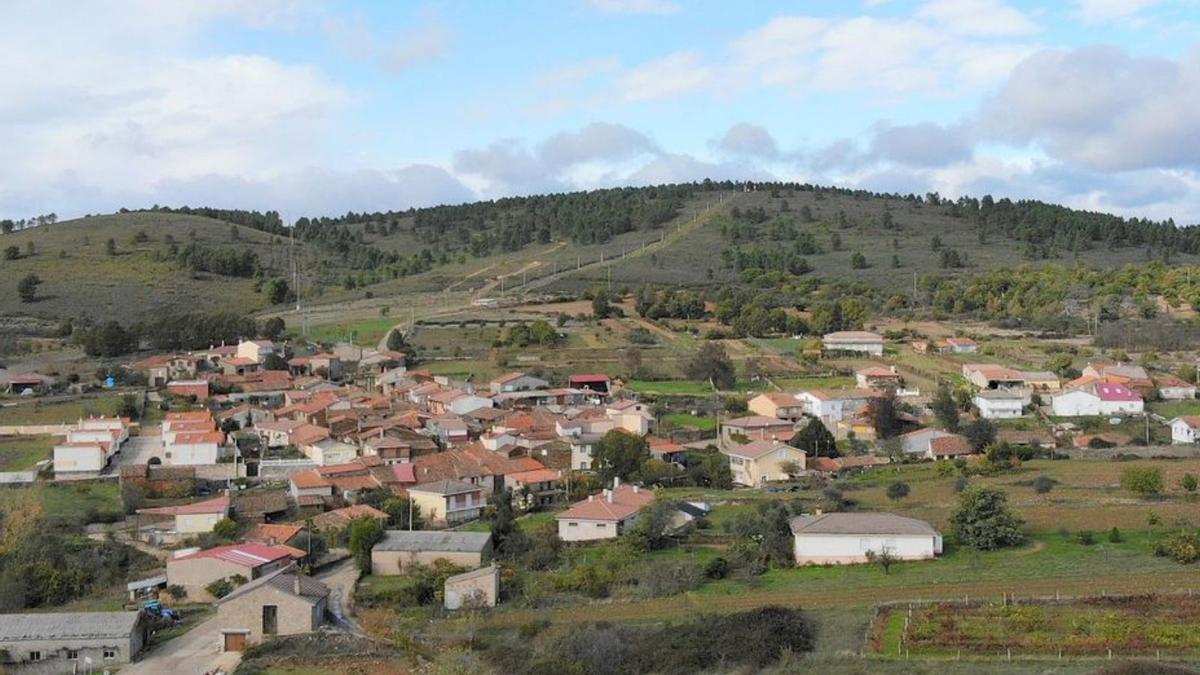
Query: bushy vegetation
[752,640]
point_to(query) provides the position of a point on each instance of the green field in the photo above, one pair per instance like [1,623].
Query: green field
[1129,626]
[79,502]
[19,453]
[1173,409]
[691,421]
[365,332]
[58,412]
[685,387]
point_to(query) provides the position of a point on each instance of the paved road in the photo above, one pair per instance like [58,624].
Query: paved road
[194,653]
[341,580]
[139,449]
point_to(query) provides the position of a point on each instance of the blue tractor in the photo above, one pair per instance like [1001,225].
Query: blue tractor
[156,608]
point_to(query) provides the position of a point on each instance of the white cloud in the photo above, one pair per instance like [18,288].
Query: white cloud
[634,6]
[596,142]
[674,74]
[947,46]
[977,17]
[1099,11]
[395,51]
[1101,108]
[748,140]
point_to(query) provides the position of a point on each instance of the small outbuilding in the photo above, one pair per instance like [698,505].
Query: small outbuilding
[473,590]
[401,548]
[846,538]
[62,642]
[285,602]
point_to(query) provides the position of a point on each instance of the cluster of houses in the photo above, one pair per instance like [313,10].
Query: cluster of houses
[89,446]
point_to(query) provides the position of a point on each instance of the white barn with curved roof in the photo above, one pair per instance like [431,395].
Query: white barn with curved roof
[846,538]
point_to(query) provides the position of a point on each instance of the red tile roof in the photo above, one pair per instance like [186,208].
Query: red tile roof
[626,501]
[249,554]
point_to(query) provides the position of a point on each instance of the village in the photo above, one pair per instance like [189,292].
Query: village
[278,483]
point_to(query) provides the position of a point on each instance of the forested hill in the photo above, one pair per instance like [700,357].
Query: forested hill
[504,225]
[707,236]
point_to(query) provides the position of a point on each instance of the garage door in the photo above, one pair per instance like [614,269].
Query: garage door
[235,642]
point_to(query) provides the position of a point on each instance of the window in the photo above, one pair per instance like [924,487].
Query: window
[601,526]
[72,654]
[110,654]
[270,619]
[35,656]
[572,524]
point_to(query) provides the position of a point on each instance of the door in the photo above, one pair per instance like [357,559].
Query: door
[270,619]
[235,642]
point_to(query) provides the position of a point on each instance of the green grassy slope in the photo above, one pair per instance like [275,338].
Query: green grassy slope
[141,281]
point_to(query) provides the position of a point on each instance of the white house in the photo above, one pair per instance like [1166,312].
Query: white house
[603,516]
[194,518]
[959,345]
[81,458]
[1098,398]
[846,538]
[759,462]
[1185,429]
[201,448]
[468,402]
[256,350]
[329,451]
[999,404]
[511,382]
[1172,388]
[854,341]
[632,416]
[918,442]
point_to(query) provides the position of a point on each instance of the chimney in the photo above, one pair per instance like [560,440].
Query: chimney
[591,498]
[296,582]
[616,482]
[610,497]
[818,511]
[635,489]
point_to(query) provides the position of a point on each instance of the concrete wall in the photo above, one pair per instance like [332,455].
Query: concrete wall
[196,523]
[78,459]
[390,563]
[197,573]
[34,429]
[294,615]
[475,592]
[17,477]
[189,454]
[579,529]
[283,468]
[820,549]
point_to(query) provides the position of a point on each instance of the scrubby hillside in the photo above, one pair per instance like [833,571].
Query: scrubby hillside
[702,236]
[157,263]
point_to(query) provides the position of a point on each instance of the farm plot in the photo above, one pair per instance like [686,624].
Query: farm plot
[1143,625]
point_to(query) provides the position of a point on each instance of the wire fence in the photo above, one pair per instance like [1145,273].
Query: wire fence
[906,647]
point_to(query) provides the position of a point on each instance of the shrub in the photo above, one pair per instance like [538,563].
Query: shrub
[1144,481]
[224,586]
[667,577]
[983,521]
[1189,482]
[898,490]
[717,568]
[1086,537]
[1114,536]
[1183,547]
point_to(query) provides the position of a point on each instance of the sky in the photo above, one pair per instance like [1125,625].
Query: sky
[318,108]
